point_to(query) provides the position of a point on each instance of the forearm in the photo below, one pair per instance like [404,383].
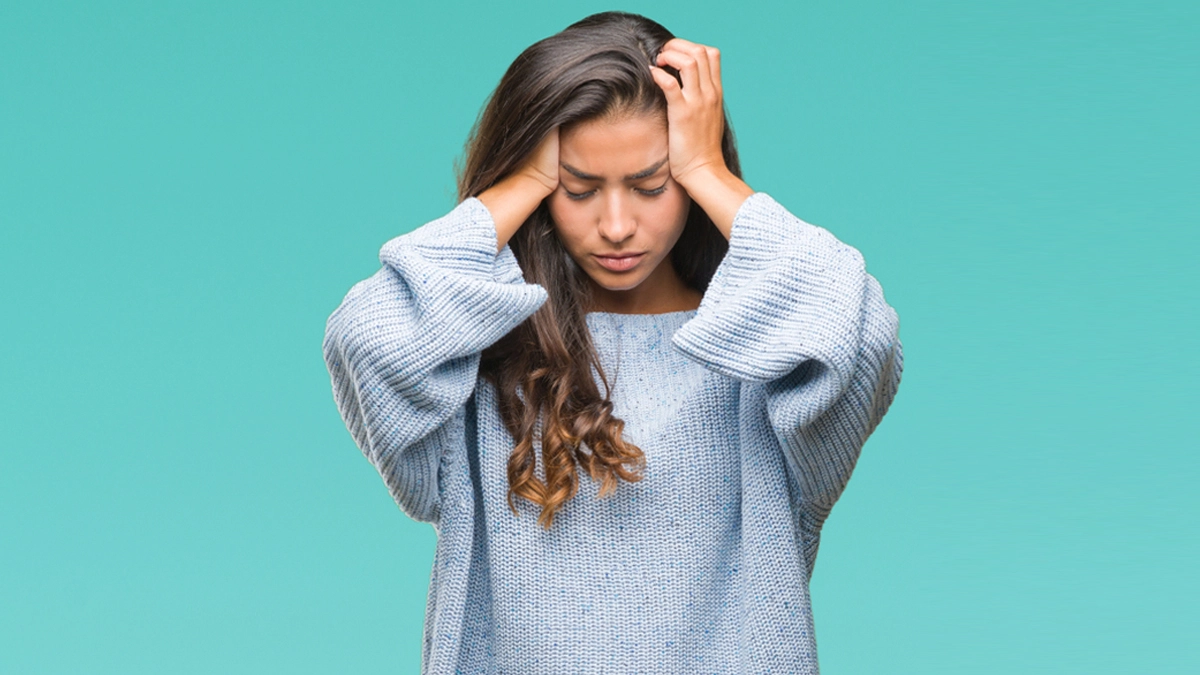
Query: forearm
[720,194]
[510,202]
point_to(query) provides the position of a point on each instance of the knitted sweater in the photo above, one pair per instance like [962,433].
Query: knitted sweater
[751,410]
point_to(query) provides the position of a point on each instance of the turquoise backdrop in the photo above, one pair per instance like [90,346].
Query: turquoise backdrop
[187,190]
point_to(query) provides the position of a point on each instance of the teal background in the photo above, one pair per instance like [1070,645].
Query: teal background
[187,192]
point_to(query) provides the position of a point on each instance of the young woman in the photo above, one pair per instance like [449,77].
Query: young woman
[624,387]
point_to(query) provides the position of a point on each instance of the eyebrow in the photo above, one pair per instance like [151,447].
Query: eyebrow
[633,176]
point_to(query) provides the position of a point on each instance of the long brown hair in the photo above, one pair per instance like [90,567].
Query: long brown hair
[597,67]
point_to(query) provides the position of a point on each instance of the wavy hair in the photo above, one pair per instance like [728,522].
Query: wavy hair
[596,68]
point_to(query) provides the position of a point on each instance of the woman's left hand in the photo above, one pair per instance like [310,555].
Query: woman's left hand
[695,114]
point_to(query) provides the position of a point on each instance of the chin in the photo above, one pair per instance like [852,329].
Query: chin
[623,284]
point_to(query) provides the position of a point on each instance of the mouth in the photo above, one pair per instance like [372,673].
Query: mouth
[619,263]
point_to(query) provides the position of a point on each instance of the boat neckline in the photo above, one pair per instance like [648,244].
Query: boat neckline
[659,314]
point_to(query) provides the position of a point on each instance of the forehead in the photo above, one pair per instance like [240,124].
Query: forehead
[614,148]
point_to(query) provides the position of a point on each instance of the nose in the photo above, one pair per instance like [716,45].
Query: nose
[617,222]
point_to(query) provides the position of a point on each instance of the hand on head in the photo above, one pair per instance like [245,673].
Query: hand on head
[542,165]
[695,114]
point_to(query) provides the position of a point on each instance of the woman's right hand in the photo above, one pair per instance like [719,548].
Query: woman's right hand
[514,198]
[542,165]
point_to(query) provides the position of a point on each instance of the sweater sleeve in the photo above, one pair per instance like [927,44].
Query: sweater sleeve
[403,347]
[792,307]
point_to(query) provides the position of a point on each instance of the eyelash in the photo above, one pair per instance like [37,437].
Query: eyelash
[583,195]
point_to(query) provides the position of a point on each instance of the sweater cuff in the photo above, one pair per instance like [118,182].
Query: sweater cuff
[787,291]
[459,286]
[464,241]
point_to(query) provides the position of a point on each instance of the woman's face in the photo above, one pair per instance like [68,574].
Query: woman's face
[625,202]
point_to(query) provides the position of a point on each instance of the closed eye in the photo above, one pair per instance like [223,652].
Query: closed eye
[584,195]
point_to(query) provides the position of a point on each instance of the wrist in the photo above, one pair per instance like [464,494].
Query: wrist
[510,202]
[534,184]
[719,193]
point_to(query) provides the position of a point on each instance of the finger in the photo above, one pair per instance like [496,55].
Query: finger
[707,85]
[705,71]
[688,71]
[708,69]
[714,63]
[680,43]
[668,84]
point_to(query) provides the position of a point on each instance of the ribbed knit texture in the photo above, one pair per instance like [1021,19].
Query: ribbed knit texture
[752,411]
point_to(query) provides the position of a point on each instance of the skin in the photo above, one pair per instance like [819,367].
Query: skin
[612,215]
[615,217]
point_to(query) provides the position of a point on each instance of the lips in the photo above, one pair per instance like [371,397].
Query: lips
[619,263]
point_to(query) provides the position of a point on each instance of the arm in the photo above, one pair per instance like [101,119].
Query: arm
[793,307]
[403,346]
[514,198]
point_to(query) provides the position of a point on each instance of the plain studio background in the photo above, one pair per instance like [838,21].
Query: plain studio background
[186,193]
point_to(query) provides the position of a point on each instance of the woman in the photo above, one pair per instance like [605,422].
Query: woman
[624,387]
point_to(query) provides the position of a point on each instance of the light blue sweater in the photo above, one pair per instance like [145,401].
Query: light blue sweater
[752,411]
